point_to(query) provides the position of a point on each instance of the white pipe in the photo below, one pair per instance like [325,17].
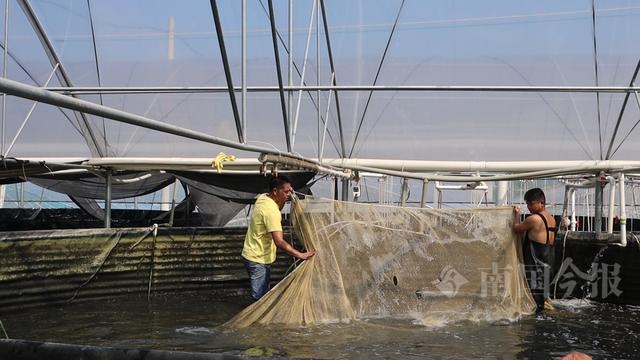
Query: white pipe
[612,202]
[423,198]
[623,213]
[405,192]
[408,166]
[573,222]
[482,166]
[570,197]
[502,189]
[469,186]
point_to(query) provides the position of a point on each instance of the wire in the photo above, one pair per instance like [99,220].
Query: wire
[595,64]
[375,80]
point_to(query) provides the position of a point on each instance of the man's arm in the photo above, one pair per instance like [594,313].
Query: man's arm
[278,239]
[519,227]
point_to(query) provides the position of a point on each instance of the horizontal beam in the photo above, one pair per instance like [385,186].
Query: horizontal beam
[405,166]
[421,88]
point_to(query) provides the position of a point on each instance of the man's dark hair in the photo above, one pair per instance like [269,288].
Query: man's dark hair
[535,194]
[278,181]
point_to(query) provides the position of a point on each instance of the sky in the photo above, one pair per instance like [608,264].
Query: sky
[544,43]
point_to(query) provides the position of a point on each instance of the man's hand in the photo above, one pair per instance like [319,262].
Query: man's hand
[516,211]
[306,255]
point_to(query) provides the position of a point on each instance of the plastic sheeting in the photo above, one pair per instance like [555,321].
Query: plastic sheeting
[434,266]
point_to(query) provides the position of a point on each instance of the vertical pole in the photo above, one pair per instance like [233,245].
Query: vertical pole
[173,202]
[573,222]
[21,200]
[318,74]
[598,206]
[227,69]
[335,188]
[423,199]
[165,198]
[107,202]
[345,189]
[501,191]
[244,71]
[290,82]
[4,71]
[623,213]
[405,192]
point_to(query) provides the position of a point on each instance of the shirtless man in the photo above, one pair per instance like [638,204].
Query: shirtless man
[539,230]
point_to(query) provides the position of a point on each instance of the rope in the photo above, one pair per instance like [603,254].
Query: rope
[6,336]
[119,236]
[218,161]
[153,255]
[375,80]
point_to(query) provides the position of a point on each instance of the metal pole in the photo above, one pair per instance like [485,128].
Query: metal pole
[501,191]
[598,206]
[304,69]
[227,70]
[423,199]
[345,189]
[624,105]
[26,118]
[34,93]
[290,61]
[318,75]
[88,90]
[4,71]
[244,71]
[334,82]
[326,122]
[173,202]
[404,195]
[279,74]
[54,59]
[107,202]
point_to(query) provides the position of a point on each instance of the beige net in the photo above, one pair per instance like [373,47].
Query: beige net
[372,261]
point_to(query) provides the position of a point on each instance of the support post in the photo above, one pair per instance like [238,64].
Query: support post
[501,191]
[345,189]
[107,202]
[173,202]
[405,192]
[423,199]
[243,121]
[598,207]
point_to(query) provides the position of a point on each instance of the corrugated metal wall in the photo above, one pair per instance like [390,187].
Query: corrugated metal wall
[45,267]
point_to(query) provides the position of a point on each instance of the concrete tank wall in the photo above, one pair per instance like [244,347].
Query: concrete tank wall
[56,266]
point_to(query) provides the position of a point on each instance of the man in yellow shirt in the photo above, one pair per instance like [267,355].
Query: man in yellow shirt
[265,234]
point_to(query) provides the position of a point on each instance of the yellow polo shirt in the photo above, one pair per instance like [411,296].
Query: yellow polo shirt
[258,243]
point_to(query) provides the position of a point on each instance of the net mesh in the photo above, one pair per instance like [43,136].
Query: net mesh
[431,265]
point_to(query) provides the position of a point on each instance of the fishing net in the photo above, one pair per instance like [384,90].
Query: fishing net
[431,265]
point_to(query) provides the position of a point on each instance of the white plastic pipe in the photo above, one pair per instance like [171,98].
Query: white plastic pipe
[467,186]
[570,199]
[502,189]
[623,213]
[573,210]
[612,202]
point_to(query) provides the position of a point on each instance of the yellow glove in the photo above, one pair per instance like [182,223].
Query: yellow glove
[220,159]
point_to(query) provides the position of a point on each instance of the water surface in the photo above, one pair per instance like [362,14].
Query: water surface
[190,322]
